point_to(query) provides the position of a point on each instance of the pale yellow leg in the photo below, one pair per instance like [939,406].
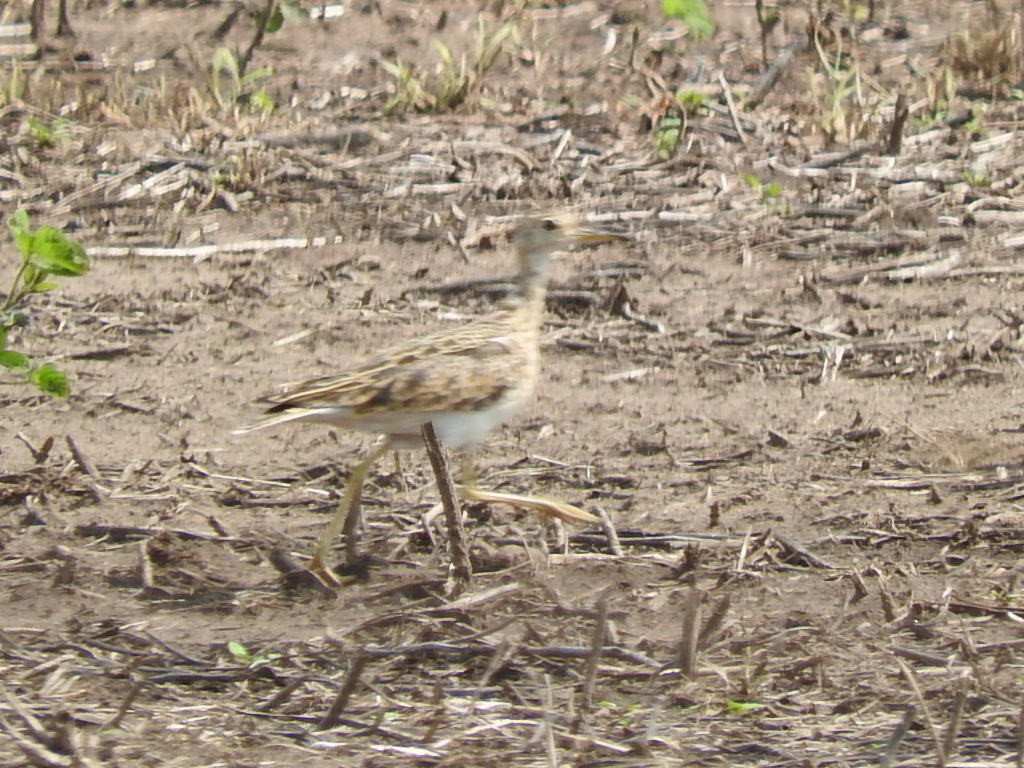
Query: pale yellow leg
[346,518]
[542,504]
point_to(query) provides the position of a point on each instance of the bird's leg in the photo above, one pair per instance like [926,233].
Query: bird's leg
[550,507]
[346,517]
[542,504]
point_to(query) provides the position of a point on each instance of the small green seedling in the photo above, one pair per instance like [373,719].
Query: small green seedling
[667,133]
[243,656]
[694,14]
[459,76]
[769,191]
[976,180]
[46,134]
[45,253]
[691,102]
[244,86]
[742,707]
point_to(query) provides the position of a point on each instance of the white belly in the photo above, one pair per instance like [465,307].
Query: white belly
[454,429]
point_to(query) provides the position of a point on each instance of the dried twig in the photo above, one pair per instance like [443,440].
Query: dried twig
[505,649]
[1020,736]
[596,647]
[462,568]
[133,693]
[690,635]
[348,687]
[731,104]
[39,455]
[551,748]
[897,737]
[81,459]
[955,720]
[614,545]
[202,252]
[774,72]
[283,695]
[933,728]
[795,551]
[899,119]
[145,565]
[714,622]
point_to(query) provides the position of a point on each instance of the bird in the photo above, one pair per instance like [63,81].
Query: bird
[465,381]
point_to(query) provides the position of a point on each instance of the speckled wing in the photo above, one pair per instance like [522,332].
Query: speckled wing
[454,370]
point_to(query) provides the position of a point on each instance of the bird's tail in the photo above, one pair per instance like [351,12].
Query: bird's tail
[292,414]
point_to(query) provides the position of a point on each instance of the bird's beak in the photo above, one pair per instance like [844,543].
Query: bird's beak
[597,235]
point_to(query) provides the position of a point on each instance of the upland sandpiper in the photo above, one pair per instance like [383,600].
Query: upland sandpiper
[464,381]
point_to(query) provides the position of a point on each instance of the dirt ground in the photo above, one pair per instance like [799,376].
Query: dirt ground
[795,392]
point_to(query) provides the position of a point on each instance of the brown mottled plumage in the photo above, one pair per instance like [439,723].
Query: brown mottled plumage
[465,381]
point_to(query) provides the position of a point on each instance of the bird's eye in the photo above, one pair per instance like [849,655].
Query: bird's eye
[549,224]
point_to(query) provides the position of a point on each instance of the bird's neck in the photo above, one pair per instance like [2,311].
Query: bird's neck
[533,287]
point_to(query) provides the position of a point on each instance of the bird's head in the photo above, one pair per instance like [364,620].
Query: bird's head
[539,235]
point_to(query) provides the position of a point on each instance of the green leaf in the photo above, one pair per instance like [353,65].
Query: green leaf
[690,99]
[262,101]
[251,78]
[742,707]
[51,380]
[238,650]
[20,231]
[53,252]
[41,132]
[666,136]
[15,361]
[445,53]
[693,13]
[224,62]
[31,275]
[12,318]
[18,223]
[276,20]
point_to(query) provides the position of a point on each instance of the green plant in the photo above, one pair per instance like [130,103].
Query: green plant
[671,125]
[693,13]
[977,180]
[227,64]
[457,79]
[243,656]
[742,707]
[691,102]
[769,191]
[667,133]
[46,134]
[20,85]
[269,18]
[856,12]
[45,253]
[848,99]
[976,125]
